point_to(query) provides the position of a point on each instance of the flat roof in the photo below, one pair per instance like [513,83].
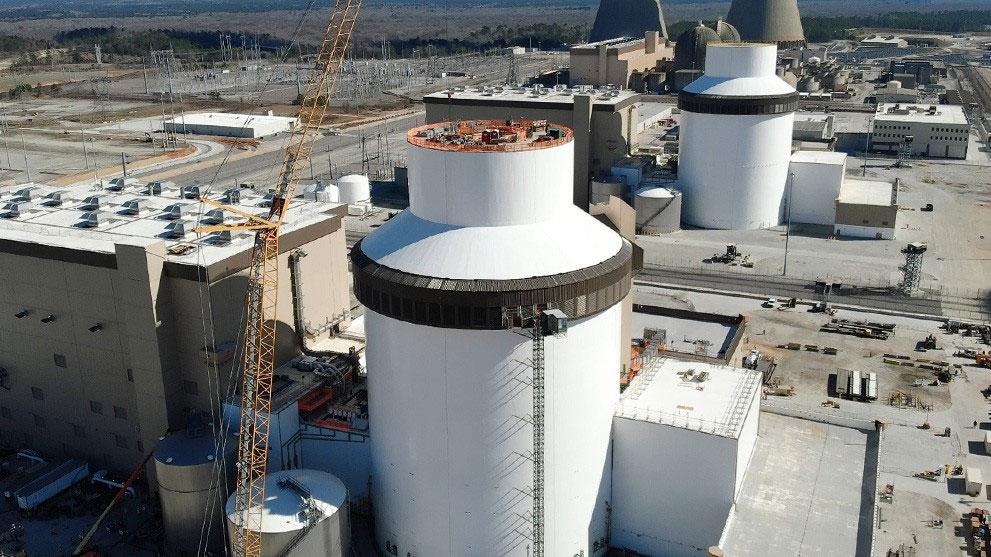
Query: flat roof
[819,157]
[668,392]
[231,120]
[284,501]
[865,192]
[561,94]
[900,112]
[617,42]
[62,225]
[489,135]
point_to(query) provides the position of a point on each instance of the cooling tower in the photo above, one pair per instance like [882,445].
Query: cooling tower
[736,130]
[491,230]
[627,18]
[768,21]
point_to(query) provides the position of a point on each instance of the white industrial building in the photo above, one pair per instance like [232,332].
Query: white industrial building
[919,130]
[816,178]
[451,396]
[223,124]
[683,437]
[736,131]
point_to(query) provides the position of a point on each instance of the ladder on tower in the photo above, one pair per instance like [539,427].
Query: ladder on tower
[538,437]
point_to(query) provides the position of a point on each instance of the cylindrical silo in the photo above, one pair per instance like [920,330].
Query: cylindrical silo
[191,488]
[736,129]
[658,210]
[305,514]
[354,188]
[603,188]
[491,232]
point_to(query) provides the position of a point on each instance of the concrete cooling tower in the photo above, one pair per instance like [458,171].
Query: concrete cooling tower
[768,21]
[736,129]
[627,18]
[491,234]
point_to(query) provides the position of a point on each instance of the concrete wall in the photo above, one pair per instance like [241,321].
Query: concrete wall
[949,141]
[672,488]
[850,216]
[865,232]
[814,189]
[144,371]
[613,65]
[346,455]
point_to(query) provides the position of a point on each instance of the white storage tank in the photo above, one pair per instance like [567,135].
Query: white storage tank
[322,192]
[736,131]
[306,513]
[191,488]
[658,210]
[491,231]
[354,188]
[606,187]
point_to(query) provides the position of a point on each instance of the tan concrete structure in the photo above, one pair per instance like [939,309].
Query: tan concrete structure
[110,332]
[866,209]
[614,61]
[604,121]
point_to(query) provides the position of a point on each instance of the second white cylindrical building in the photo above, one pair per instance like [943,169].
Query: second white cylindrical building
[736,131]
[491,229]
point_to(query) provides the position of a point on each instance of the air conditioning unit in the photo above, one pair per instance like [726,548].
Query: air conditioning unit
[213,216]
[190,192]
[117,184]
[91,203]
[132,207]
[174,211]
[174,230]
[221,238]
[90,219]
[53,199]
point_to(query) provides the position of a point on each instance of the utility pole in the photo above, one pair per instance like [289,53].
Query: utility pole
[123,164]
[791,189]
[24,151]
[870,125]
[82,134]
[6,131]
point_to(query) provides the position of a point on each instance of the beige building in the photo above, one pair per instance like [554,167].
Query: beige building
[117,322]
[604,120]
[615,61]
[866,209]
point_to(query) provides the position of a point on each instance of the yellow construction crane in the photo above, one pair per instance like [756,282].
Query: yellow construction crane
[263,281]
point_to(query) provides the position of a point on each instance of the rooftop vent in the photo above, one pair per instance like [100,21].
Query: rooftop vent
[131,207]
[213,216]
[221,238]
[117,184]
[23,194]
[91,203]
[174,211]
[90,219]
[53,199]
[153,188]
[232,196]
[190,192]
[174,230]
[11,210]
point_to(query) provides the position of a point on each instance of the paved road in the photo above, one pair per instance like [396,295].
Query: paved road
[783,287]
[342,150]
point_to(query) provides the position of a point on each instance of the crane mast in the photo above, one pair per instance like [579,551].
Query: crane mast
[263,282]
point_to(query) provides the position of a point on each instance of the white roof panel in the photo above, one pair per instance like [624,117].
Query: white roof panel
[570,242]
[665,393]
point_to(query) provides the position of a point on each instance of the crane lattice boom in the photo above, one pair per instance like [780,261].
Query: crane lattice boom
[263,282]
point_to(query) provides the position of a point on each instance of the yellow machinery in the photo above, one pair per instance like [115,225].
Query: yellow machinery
[263,281]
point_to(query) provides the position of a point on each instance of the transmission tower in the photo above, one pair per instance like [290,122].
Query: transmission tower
[513,75]
[101,96]
[913,267]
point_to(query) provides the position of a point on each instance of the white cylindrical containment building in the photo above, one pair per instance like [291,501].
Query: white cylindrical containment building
[491,236]
[305,514]
[736,130]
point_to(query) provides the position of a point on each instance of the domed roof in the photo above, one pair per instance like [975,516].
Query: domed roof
[727,33]
[689,51]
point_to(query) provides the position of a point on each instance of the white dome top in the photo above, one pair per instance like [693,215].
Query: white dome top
[282,505]
[572,241]
[657,193]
